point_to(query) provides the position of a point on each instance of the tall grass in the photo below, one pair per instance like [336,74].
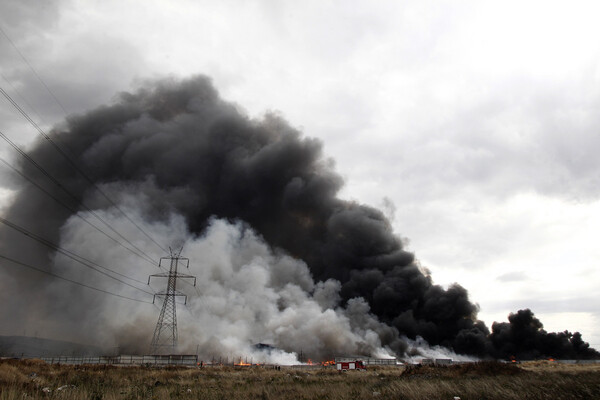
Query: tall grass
[37,380]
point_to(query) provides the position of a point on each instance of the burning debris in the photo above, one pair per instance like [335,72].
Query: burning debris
[281,257]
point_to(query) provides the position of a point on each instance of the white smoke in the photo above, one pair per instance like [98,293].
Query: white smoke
[419,349]
[246,293]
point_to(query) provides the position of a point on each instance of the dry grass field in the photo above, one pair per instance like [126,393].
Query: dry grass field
[538,380]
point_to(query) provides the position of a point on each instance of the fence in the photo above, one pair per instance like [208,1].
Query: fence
[368,360]
[126,360]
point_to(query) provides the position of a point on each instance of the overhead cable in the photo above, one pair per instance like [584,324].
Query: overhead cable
[75,166]
[77,258]
[12,260]
[75,212]
[33,70]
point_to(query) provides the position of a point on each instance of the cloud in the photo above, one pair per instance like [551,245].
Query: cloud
[516,276]
[29,15]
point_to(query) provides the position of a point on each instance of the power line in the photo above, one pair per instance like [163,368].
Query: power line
[75,167]
[33,70]
[15,104]
[90,264]
[74,211]
[70,280]
[59,149]
[22,97]
[72,196]
[197,291]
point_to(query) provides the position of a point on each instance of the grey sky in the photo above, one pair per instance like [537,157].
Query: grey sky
[477,119]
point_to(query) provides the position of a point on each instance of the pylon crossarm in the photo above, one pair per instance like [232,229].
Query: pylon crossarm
[187,277]
[160,261]
[161,275]
[181,260]
[168,274]
[178,293]
[170,293]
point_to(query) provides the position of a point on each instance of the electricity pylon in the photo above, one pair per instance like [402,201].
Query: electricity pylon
[165,333]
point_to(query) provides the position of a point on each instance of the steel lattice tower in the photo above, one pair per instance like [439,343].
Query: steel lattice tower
[165,333]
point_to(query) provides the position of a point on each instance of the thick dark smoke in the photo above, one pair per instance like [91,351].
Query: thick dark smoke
[187,152]
[523,337]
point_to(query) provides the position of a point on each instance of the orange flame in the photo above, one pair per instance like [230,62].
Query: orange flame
[322,363]
[242,363]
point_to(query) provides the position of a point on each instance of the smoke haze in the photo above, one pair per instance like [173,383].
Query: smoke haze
[280,259]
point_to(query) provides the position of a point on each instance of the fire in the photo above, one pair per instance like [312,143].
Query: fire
[551,359]
[322,363]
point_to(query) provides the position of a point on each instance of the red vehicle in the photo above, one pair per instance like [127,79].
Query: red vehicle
[348,365]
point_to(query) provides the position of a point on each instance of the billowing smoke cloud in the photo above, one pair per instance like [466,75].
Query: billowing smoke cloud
[524,337]
[280,257]
[246,293]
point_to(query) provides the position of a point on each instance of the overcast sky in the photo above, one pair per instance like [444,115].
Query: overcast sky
[474,124]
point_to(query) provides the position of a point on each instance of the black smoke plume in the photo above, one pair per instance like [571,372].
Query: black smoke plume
[523,337]
[186,151]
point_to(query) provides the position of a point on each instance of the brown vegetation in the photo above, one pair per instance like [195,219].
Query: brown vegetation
[37,380]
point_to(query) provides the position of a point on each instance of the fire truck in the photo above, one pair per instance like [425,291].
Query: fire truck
[344,366]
